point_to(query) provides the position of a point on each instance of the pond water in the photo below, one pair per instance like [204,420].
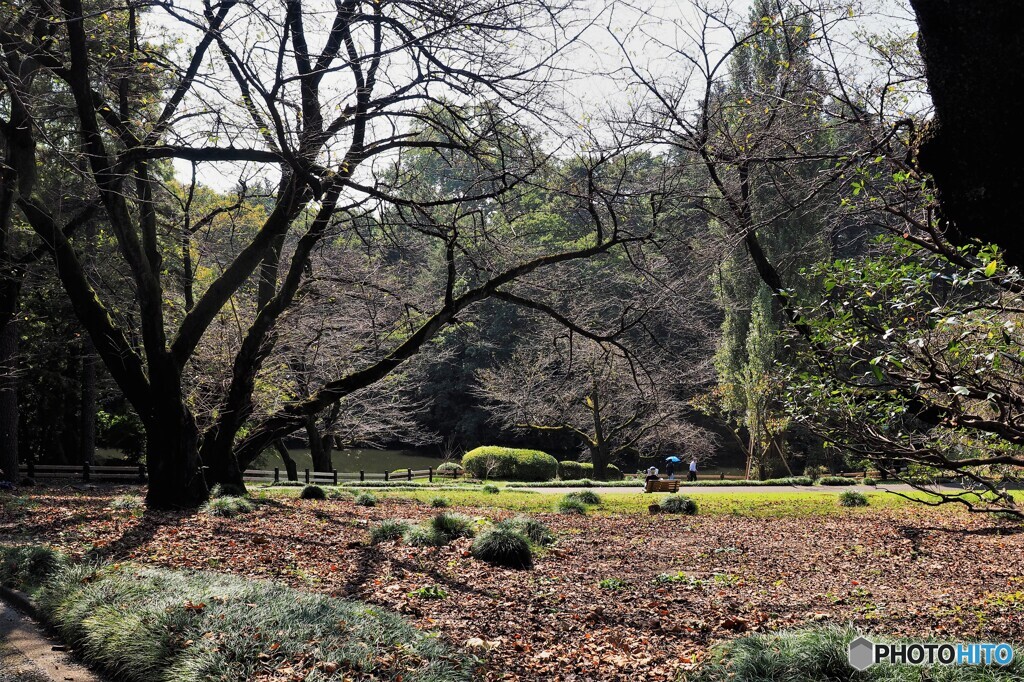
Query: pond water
[353,460]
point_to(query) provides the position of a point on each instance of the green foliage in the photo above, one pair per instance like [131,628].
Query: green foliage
[582,483]
[869,481]
[790,480]
[313,492]
[820,655]
[438,502]
[585,496]
[571,505]
[156,625]
[570,470]
[503,546]
[510,464]
[490,489]
[816,472]
[535,531]
[613,584]
[388,530]
[430,592]
[227,490]
[852,498]
[836,480]
[423,536]
[26,568]
[450,468]
[227,506]
[366,500]
[678,504]
[127,503]
[449,526]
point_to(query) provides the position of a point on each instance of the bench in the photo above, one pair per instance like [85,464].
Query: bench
[661,487]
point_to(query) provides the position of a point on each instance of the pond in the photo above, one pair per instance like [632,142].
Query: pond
[353,460]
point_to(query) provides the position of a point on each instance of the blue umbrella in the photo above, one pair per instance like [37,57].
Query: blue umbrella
[673,458]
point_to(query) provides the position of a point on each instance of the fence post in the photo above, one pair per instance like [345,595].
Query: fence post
[362,475]
[410,473]
[307,475]
[142,473]
[335,472]
[277,475]
[430,474]
[721,476]
[386,475]
[85,472]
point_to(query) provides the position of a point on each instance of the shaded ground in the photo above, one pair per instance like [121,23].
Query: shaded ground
[907,571]
[28,655]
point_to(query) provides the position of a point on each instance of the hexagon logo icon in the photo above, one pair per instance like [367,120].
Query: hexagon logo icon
[861,653]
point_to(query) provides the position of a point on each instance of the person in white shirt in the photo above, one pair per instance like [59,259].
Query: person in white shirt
[693,470]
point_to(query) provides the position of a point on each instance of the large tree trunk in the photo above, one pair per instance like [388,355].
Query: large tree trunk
[9,401]
[172,457]
[972,53]
[289,464]
[321,455]
[87,413]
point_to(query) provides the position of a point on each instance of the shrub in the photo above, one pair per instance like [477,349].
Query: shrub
[586,483]
[852,498]
[438,502]
[423,536]
[570,505]
[134,623]
[870,481]
[535,531]
[388,530]
[366,500]
[338,493]
[227,506]
[450,468]
[582,483]
[313,492]
[678,504]
[430,592]
[836,480]
[586,496]
[25,568]
[572,471]
[815,472]
[510,464]
[503,546]
[450,526]
[490,489]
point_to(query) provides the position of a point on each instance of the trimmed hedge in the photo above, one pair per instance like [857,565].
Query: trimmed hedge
[573,471]
[510,464]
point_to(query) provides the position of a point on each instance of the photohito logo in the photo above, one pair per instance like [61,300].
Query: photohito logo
[863,653]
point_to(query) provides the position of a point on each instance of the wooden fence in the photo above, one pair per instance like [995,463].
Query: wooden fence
[137,474]
[84,472]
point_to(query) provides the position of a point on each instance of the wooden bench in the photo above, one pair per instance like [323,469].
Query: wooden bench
[661,487]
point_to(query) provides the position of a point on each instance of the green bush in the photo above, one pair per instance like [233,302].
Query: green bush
[852,498]
[449,468]
[581,483]
[388,530]
[571,505]
[227,506]
[870,481]
[25,568]
[815,472]
[836,480]
[438,502]
[450,526]
[678,504]
[490,489]
[155,625]
[503,546]
[366,500]
[535,531]
[819,654]
[790,480]
[313,492]
[570,470]
[585,496]
[510,464]
[423,536]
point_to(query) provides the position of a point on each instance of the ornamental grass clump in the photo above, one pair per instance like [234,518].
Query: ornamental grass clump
[571,505]
[365,500]
[450,526]
[503,546]
[535,531]
[852,498]
[585,496]
[678,504]
[438,502]
[313,492]
[227,507]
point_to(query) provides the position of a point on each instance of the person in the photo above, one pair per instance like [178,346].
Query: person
[693,470]
[652,475]
[670,470]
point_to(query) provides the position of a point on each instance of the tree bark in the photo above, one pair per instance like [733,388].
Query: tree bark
[9,401]
[599,448]
[290,468]
[321,456]
[172,456]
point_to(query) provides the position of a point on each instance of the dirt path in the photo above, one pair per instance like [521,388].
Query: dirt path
[27,653]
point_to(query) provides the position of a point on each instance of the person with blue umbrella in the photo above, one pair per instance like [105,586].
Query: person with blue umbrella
[670,466]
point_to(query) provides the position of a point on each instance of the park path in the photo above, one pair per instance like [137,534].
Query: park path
[27,653]
[763,489]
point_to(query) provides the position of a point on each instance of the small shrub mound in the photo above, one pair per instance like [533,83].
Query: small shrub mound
[820,655]
[388,530]
[852,498]
[25,568]
[450,526]
[678,504]
[423,536]
[366,500]
[313,492]
[510,464]
[836,480]
[155,625]
[571,505]
[490,489]
[870,481]
[572,471]
[450,469]
[535,531]
[227,506]
[438,502]
[586,497]
[503,546]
